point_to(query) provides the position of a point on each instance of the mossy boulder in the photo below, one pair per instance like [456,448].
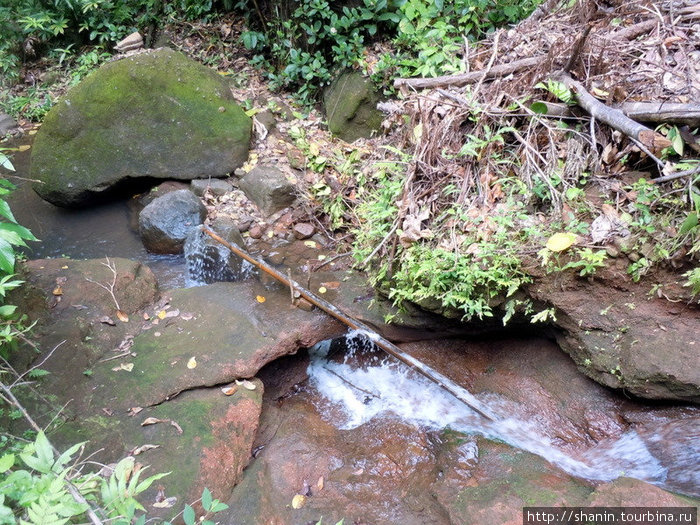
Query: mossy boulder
[156,114]
[350,103]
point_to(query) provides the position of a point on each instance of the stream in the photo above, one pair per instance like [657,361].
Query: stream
[577,426]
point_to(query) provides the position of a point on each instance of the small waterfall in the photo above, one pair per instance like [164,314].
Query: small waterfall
[364,384]
[208,261]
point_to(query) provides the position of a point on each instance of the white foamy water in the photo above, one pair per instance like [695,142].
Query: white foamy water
[383,386]
[209,261]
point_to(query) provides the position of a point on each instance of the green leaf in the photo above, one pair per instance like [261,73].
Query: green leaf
[7,310]
[6,463]
[6,212]
[218,507]
[20,231]
[690,222]
[206,499]
[188,515]
[5,162]
[539,107]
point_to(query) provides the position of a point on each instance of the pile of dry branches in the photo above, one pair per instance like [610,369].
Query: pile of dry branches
[629,67]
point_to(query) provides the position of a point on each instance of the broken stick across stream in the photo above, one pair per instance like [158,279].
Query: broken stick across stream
[447,384]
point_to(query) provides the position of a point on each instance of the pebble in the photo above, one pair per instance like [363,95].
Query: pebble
[304,230]
[255,232]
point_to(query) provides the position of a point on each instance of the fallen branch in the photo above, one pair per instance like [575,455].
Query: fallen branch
[444,382]
[614,118]
[674,176]
[633,31]
[468,78]
[688,114]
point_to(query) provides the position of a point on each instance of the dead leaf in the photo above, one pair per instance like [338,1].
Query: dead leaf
[172,313]
[146,317]
[156,334]
[310,244]
[107,411]
[229,390]
[260,298]
[143,448]
[177,427]
[166,503]
[186,316]
[320,483]
[58,291]
[121,315]
[124,366]
[107,320]
[331,285]
[298,501]
[248,385]
[192,363]
[134,410]
[151,421]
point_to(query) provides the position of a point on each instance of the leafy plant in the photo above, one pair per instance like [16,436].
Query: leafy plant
[589,261]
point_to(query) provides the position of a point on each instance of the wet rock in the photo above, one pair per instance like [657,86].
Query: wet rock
[269,188]
[215,186]
[208,261]
[235,329]
[70,322]
[304,230]
[622,338]
[150,115]
[350,103]
[628,492]
[379,473]
[165,223]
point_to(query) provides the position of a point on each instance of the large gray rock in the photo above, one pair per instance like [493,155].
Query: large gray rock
[350,103]
[268,188]
[165,223]
[155,114]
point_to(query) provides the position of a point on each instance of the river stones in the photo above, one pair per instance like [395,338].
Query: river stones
[155,114]
[268,188]
[165,223]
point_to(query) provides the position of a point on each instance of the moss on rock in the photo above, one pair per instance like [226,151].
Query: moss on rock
[351,107]
[157,114]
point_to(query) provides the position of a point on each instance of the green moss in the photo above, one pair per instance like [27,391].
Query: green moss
[156,114]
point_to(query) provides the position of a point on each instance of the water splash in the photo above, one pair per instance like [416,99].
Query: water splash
[361,384]
[207,261]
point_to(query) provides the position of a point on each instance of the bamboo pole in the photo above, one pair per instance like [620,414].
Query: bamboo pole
[390,348]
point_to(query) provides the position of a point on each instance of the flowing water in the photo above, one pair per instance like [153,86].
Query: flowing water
[389,387]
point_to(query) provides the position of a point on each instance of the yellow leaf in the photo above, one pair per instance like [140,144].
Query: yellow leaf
[310,244]
[314,149]
[192,363]
[322,289]
[260,299]
[64,267]
[128,366]
[298,501]
[321,257]
[560,241]
[24,147]
[162,314]
[58,291]
[122,316]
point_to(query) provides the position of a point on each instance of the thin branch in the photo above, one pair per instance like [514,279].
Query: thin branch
[674,176]
[108,287]
[20,376]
